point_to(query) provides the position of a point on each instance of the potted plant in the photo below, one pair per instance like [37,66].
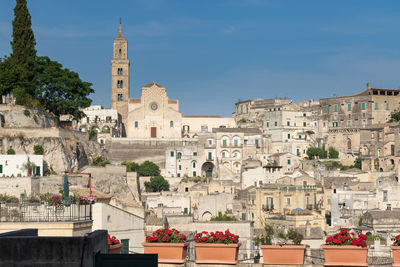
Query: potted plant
[217,247]
[287,250]
[396,251]
[169,244]
[114,245]
[345,249]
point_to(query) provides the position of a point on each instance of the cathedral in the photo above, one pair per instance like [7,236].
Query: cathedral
[153,115]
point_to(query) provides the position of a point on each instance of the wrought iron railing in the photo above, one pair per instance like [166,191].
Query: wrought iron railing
[36,212]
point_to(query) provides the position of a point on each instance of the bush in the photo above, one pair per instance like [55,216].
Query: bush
[149,168]
[100,161]
[10,151]
[38,150]
[131,166]
[313,152]
[157,184]
[221,217]
[27,113]
[333,153]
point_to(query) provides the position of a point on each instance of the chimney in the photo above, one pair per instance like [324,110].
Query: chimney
[368,86]
[308,229]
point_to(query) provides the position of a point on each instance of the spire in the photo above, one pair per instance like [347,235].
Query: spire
[120,35]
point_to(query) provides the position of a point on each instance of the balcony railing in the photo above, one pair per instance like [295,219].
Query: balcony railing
[36,212]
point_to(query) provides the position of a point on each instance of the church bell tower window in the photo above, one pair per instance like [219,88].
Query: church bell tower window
[120,97]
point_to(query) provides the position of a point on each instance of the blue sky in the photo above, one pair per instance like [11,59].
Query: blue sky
[210,53]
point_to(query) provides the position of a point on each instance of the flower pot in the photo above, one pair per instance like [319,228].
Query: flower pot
[396,255]
[283,254]
[167,252]
[217,253]
[345,255]
[116,249]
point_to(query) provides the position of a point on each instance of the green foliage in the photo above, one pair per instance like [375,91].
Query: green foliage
[373,237]
[313,152]
[10,151]
[131,166]
[8,199]
[330,165]
[149,168]
[270,233]
[27,113]
[395,116]
[360,221]
[157,184]
[333,153]
[35,118]
[100,161]
[223,217]
[92,134]
[357,163]
[38,150]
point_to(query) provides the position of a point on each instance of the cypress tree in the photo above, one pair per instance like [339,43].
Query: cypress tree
[23,43]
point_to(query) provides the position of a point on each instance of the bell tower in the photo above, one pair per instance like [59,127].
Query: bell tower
[120,78]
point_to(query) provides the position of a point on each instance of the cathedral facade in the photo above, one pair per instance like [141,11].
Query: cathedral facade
[153,115]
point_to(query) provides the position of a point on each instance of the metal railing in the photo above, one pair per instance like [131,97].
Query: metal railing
[36,212]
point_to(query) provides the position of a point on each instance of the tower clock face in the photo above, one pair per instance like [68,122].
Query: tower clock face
[153,106]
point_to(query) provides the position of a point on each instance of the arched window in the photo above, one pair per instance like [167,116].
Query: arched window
[120,71]
[194,164]
[171,124]
[120,84]
[179,155]
[120,97]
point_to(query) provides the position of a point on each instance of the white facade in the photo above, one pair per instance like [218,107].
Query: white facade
[21,165]
[125,226]
[168,200]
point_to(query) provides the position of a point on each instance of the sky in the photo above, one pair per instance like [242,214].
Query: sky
[209,54]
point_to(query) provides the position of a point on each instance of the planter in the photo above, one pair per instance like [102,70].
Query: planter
[216,253]
[116,249]
[283,254]
[167,252]
[396,255]
[345,255]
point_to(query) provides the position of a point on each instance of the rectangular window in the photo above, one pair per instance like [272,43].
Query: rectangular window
[387,106]
[87,120]
[267,123]
[384,195]
[288,201]
[335,108]
[195,154]
[349,107]
[136,124]
[37,170]
[288,123]
[326,109]
[1,168]
[185,211]
[179,175]
[241,109]
[243,216]
[276,123]
[210,155]
[304,124]
[171,124]
[256,142]
[376,106]
[247,108]
[288,162]
[194,174]
[363,106]
[172,153]
[245,141]
[180,167]
[288,136]
[235,142]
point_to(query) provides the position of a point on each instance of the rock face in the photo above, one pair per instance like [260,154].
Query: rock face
[22,128]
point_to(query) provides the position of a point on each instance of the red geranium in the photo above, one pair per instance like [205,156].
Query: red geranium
[166,236]
[217,237]
[345,238]
[396,241]
[112,241]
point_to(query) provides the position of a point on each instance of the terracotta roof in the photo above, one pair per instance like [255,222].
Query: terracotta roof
[171,101]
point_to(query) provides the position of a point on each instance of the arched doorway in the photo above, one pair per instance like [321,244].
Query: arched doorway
[207,169]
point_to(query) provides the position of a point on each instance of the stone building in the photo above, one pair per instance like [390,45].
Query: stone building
[342,117]
[102,120]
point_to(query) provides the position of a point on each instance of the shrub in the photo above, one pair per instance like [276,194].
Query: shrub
[291,237]
[166,236]
[100,161]
[333,153]
[157,184]
[221,217]
[38,150]
[92,134]
[313,152]
[149,168]
[131,166]
[10,151]
[27,113]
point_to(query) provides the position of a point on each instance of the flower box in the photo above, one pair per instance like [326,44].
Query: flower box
[116,249]
[216,253]
[167,252]
[345,255]
[396,255]
[283,254]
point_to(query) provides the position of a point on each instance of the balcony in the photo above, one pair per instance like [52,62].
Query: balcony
[209,158]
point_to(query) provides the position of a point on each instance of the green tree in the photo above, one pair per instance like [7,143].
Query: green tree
[149,168]
[157,184]
[395,116]
[23,49]
[333,153]
[357,163]
[60,90]
[10,151]
[313,152]
[131,166]
[38,150]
